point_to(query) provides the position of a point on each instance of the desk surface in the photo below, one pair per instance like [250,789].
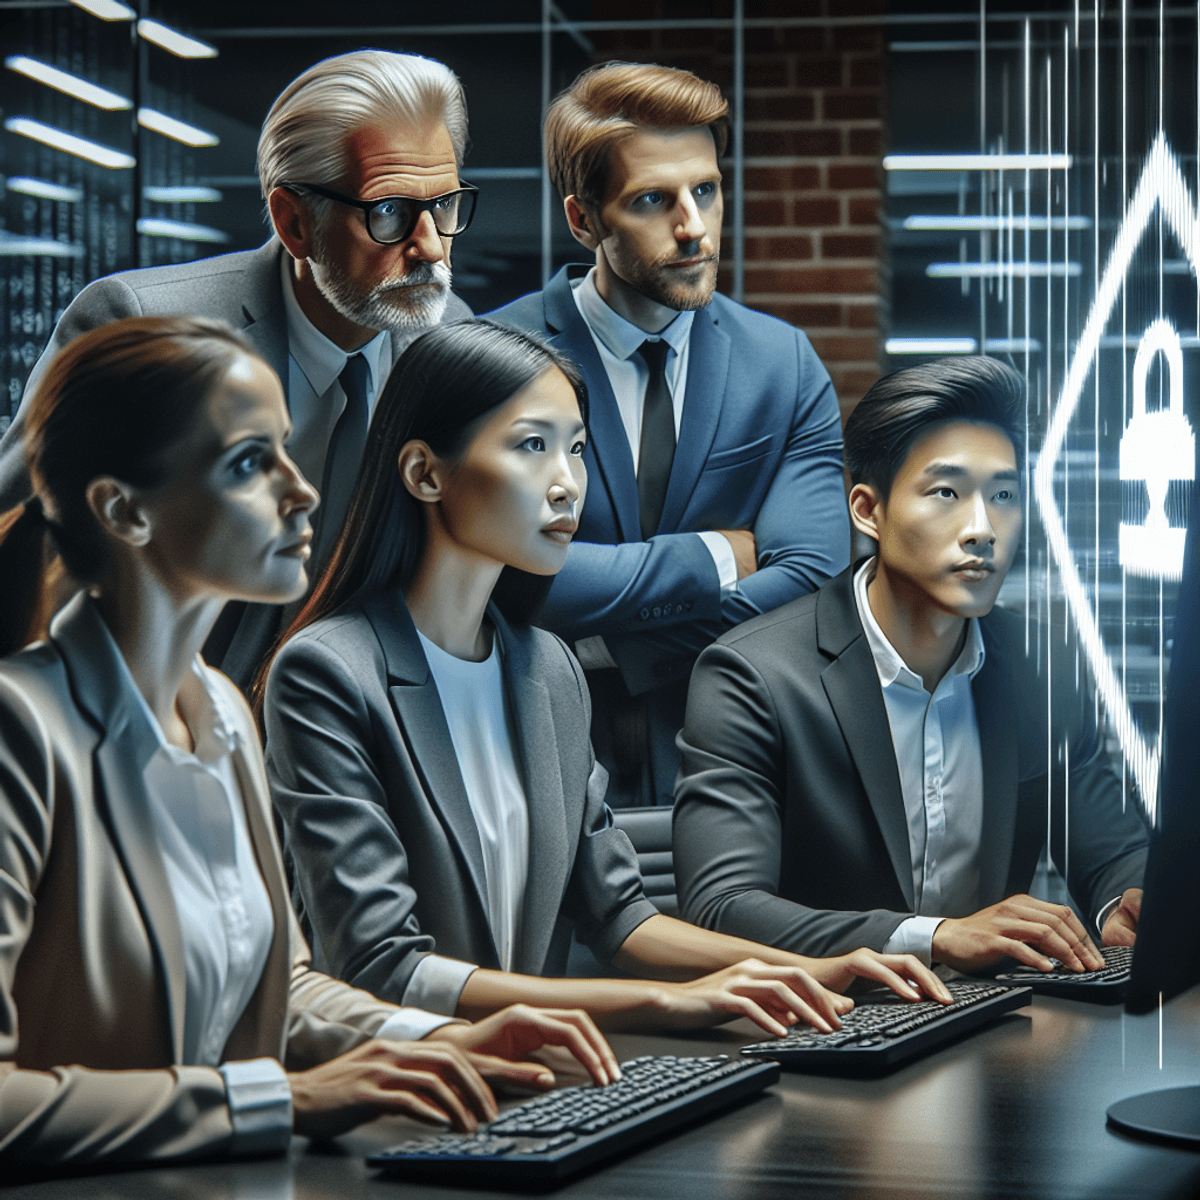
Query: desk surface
[1015,1110]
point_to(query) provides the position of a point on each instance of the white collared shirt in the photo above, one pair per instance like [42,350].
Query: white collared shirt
[617,343]
[936,741]
[315,396]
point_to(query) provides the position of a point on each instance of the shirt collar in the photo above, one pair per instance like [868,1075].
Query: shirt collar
[891,667]
[320,360]
[620,337]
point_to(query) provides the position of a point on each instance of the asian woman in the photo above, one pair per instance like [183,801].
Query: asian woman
[156,998]
[428,747]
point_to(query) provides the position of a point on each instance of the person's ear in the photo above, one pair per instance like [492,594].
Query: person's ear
[293,222]
[585,228]
[118,509]
[421,472]
[866,507]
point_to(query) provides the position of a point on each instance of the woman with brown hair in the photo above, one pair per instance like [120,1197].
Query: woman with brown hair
[156,997]
[428,748]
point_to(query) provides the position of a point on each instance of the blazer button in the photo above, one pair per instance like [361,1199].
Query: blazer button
[678,609]
[657,611]
[644,614]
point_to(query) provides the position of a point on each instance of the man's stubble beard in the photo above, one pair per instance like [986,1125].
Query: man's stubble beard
[399,303]
[657,282]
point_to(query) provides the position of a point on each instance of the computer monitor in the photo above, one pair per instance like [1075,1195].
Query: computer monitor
[1166,960]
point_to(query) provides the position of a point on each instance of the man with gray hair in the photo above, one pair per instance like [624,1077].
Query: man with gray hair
[358,162]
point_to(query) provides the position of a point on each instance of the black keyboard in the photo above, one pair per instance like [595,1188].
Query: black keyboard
[882,1030]
[1104,986]
[562,1132]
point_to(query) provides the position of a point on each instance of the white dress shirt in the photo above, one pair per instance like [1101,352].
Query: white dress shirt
[475,702]
[226,924]
[936,741]
[617,343]
[315,397]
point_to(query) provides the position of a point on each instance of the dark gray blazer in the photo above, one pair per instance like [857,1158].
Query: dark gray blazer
[245,289]
[387,854]
[789,823]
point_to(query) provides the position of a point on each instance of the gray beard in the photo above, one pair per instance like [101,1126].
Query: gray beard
[397,304]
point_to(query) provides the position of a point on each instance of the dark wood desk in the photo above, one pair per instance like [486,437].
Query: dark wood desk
[1014,1111]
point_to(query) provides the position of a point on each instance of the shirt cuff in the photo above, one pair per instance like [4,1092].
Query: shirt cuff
[723,558]
[914,935]
[437,983]
[1105,913]
[260,1106]
[593,654]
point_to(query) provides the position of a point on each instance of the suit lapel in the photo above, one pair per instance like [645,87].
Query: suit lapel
[608,446]
[263,311]
[422,724]
[99,682]
[707,377]
[549,850]
[996,718]
[851,684]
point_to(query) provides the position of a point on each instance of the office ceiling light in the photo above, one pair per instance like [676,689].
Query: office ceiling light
[105,156]
[106,10]
[151,118]
[973,224]
[43,189]
[931,345]
[175,43]
[70,84]
[998,270]
[182,195]
[185,230]
[14,246]
[976,162]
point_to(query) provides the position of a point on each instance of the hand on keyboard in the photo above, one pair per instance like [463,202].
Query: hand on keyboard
[497,1044]
[1021,927]
[1121,927]
[903,973]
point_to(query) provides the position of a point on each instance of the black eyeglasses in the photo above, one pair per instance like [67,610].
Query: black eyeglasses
[393,218]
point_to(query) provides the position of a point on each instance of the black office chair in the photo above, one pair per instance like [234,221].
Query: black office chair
[649,829]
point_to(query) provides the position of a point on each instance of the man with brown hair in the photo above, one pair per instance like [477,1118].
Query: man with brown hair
[714,457]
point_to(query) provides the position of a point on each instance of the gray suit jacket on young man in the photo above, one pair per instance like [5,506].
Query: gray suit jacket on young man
[790,826]
[387,854]
[245,289]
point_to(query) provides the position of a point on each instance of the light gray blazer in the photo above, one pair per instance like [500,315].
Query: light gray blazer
[92,975]
[244,289]
[387,854]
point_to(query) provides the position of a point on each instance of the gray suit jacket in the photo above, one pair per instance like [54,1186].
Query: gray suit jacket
[387,853]
[244,289]
[789,822]
[92,975]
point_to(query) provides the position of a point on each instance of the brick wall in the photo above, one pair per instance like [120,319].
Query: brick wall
[815,110]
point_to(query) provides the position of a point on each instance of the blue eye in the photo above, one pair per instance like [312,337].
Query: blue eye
[705,191]
[947,493]
[1006,495]
[577,449]
[649,200]
[247,464]
[535,444]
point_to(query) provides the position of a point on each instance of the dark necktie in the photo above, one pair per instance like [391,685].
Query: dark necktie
[657,446]
[344,456]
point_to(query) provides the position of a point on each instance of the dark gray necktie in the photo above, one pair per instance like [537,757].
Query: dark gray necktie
[344,456]
[657,446]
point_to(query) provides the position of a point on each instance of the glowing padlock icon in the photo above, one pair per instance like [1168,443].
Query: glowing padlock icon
[1156,447]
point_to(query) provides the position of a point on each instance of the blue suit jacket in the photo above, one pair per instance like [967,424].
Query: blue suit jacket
[760,448]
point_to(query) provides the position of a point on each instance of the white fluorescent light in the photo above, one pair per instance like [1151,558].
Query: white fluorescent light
[1013,346]
[182,195]
[930,345]
[43,189]
[175,43]
[70,84]
[14,246]
[151,118]
[968,224]
[997,270]
[185,230]
[106,10]
[60,140]
[976,162]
